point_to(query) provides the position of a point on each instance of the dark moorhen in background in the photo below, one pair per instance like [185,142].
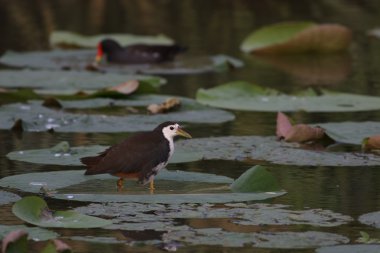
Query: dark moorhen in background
[136,54]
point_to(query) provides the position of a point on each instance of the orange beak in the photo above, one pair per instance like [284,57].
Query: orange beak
[99,54]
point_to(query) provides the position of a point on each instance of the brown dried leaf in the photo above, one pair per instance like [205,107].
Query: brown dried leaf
[283,125]
[371,143]
[296,133]
[304,133]
[126,88]
[14,237]
[170,104]
[61,247]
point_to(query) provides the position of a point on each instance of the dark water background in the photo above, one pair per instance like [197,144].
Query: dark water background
[213,27]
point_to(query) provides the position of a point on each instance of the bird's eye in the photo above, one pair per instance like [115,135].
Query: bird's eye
[171,128]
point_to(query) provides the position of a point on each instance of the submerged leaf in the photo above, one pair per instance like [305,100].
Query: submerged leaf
[352,248]
[256,179]
[297,37]
[34,210]
[240,95]
[279,240]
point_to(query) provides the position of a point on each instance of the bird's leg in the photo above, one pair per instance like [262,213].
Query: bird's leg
[151,186]
[120,184]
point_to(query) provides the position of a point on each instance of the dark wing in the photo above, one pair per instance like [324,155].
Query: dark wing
[138,153]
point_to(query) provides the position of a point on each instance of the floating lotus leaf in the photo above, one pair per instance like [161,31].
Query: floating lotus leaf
[221,148]
[36,117]
[351,132]
[34,210]
[240,95]
[205,188]
[257,178]
[371,219]
[283,240]
[352,248]
[32,182]
[270,150]
[35,233]
[297,37]
[65,38]
[160,217]
[80,59]
[8,197]
[73,81]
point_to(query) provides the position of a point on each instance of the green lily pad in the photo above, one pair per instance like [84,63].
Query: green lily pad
[240,95]
[297,37]
[32,182]
[34,210]
[352,248]
[72,155]
[62,180]
[80,59]
[65,38]
[74,81]
[34,233]
[351,132]
[283,240]
[36,117]
[256,179]
[371,219]
[8,197]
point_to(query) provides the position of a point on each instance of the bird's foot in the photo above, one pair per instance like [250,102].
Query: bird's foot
[151,187]
[120,184]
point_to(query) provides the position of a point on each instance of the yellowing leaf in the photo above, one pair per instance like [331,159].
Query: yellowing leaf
[371,143]
[297,37]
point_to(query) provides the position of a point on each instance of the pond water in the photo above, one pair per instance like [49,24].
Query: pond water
[218,27]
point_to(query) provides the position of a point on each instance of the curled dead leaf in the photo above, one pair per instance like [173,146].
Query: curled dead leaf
[283,125]
[61,247]
[52,103]
[170,104]
[126,88]
[297,133]
[18,126]
[14,237]
[371,143]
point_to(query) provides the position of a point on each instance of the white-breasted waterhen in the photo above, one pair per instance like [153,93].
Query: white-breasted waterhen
[140,156]
[137,53]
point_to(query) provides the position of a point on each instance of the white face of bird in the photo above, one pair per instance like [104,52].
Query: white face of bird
[174,130]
